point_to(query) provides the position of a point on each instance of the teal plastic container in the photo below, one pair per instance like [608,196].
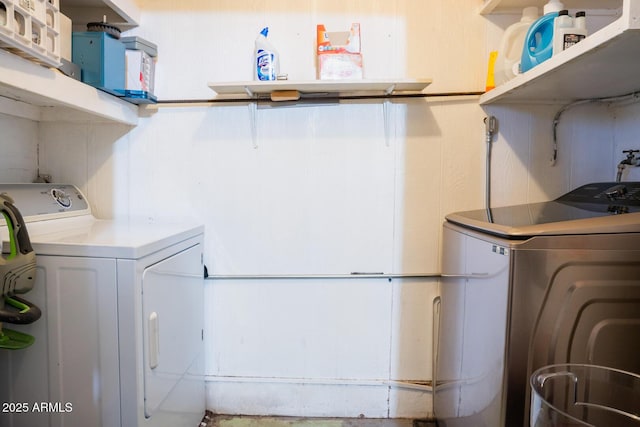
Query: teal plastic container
[538,43]
[102,60]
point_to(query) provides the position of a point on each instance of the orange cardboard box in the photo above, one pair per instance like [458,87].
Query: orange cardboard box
[338,54]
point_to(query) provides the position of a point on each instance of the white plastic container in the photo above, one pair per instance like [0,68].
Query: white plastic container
[266,64]
[31,29]
[508,61]
[553,6]
[580,20]
[568,31]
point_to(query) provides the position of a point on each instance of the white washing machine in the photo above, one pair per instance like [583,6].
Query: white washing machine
[533,285]
[120,340]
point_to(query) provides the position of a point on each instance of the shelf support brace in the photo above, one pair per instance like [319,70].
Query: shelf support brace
[253,116]
[386,112]
[248,91]
[390,89]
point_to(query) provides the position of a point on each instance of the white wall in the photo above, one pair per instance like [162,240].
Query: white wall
[325,191]
[18,149]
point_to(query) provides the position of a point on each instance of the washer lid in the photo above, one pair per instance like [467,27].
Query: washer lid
[590,209]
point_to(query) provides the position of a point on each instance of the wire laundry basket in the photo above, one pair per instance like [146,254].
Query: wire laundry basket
[575,395]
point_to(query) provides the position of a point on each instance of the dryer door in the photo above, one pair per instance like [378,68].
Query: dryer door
[173,321]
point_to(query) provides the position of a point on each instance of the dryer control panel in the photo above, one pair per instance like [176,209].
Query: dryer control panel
[39,201]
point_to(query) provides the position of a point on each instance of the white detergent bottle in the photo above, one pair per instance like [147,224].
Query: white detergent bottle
[508,60]
[568,31]
[581,20]
[266,64]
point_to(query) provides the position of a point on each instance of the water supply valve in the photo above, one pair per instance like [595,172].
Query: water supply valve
[630,160]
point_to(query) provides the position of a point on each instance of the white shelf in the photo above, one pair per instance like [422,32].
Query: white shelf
[257,90]
[124,14]
[43,94]
[516,6]
[260,89]
[606,63]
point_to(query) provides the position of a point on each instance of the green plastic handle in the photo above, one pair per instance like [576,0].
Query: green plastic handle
[28,312]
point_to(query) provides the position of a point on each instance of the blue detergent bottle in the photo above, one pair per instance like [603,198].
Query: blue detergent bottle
[538,43]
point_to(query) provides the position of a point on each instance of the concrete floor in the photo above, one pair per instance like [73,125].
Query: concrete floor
[212,420]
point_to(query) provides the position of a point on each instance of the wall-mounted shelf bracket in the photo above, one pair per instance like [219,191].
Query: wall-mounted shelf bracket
[302,92]
[249,92]
[253,116]
[386,111]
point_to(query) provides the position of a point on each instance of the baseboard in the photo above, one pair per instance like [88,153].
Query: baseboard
[319,397]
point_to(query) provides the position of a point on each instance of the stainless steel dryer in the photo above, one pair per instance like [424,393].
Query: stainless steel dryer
[532,285]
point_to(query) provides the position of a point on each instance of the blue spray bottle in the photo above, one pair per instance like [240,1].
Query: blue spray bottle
[538,43]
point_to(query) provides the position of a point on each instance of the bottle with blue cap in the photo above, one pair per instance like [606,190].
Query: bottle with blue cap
[266,65]
[538,43]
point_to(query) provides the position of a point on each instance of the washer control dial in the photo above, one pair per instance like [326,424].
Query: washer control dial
[61,197]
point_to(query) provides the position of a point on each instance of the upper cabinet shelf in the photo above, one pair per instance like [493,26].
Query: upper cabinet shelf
[272,89]
[44,94]
[124,14]
[511,6]
[606,63]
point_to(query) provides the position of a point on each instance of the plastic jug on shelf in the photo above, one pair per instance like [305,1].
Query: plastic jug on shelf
[538,44]
[568,31]
[508,61]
